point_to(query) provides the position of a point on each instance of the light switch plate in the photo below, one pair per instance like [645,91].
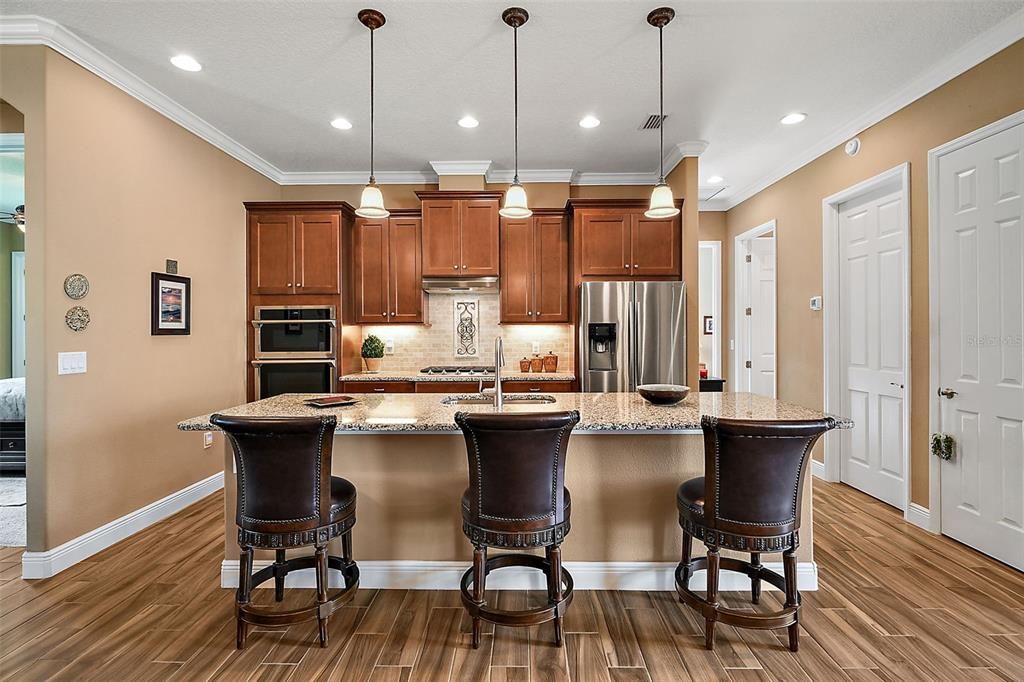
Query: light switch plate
[535,346]
[389,346]
[71,363]
[207,439]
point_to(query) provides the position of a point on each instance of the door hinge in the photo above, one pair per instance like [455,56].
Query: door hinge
[749,258]
[747,311]
[747,364]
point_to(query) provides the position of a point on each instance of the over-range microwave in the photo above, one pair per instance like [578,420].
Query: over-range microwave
[295,332]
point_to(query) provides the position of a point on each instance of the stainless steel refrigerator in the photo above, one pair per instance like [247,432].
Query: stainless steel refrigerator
[632,333]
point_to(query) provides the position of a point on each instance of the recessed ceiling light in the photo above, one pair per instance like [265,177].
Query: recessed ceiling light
[341,124]
[468,122]
[715,180]
[186,63]
[589,122]
[793,119]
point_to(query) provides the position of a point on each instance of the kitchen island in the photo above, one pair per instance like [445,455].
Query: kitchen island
[407,458]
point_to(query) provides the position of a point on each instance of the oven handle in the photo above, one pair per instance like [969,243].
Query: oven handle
[315,361]
[259,323]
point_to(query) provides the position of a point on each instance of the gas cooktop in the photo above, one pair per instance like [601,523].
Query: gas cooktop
[468,370]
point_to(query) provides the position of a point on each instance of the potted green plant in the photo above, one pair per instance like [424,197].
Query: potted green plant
[373,352]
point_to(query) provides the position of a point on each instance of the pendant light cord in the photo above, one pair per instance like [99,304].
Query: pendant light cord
[661,105]
[515,100]
[372,179]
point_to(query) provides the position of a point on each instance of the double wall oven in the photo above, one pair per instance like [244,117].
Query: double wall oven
[295,349]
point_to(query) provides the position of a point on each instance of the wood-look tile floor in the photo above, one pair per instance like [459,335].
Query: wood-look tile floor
[895,604]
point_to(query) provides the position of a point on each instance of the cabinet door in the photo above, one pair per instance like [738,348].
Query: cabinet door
[317,253]
[517,268]
[656,246]
[551,270]
[536,386]
[370,248]
[379,387]
[441,237]
[405,282]
[272,253]
[604,243]
[479,237]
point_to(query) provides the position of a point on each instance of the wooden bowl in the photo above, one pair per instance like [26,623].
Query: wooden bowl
[663,394]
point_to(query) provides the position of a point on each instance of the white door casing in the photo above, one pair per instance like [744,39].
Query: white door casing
[873,305]
[711,292]
[977,263]
[755,311]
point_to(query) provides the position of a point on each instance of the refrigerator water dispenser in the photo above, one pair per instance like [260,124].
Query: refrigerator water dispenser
[601,342]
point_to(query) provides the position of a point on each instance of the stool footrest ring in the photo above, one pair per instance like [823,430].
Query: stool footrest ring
[260,615]
[746,619]
[535,616]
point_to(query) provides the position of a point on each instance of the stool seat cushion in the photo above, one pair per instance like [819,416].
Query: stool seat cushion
[690,496]
[343,498]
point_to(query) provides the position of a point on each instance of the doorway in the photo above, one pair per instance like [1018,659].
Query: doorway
[866,237]
[710,273]
[976,292]
[755,311]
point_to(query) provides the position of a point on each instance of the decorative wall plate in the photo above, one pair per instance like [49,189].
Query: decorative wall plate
[77,318]
[76,286]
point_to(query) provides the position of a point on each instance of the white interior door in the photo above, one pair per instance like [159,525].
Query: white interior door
[762,315]
[18,314]
[873,312]
[980,355]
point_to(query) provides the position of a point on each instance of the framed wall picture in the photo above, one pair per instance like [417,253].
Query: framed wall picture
[170,305]
[709,325]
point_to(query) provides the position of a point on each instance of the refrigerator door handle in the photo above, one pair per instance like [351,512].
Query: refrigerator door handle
[637,377]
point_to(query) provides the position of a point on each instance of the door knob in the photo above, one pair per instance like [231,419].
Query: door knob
[948,393]
[893,383]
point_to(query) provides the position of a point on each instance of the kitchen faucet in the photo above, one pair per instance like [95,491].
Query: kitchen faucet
[499,362]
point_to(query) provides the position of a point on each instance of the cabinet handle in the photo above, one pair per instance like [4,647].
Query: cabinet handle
[378,390]
[534,390]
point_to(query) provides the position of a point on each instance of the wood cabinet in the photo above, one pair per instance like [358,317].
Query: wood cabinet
[386,271]
[451,386]
[460,233]
[614,240]
[294,252]
[535,268]
[377,387]
[536,386]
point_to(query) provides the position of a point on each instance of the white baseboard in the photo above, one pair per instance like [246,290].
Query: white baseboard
[919,516]
[46,564]
[587,575]
[818,469]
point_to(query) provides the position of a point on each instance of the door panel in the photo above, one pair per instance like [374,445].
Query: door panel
[605,243]
[441,237]
[517,270]
[272,253]
[762,316]
[478,237]
[405,281]
[317,253]
[371,270]
[551,270]
[872,309]
[655,246]
[980,258]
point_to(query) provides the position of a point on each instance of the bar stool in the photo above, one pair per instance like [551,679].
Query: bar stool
[516,500]
[747,501]
[288,499]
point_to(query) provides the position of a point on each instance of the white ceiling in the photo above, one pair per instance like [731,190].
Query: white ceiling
[275,74]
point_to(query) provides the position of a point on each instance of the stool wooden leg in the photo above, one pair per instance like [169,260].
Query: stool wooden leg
[755,583]
[712,599]
[346,553]
[554,553]
[687,558]
[242,596]
[280,571]
[479,580]
[792,596]
[321,590]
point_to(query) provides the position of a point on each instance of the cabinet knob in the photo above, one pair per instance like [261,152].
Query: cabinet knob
[384,314]
[392,314]
[289,283]
[299,284]
[463,267]
[627,265]
[635,265]
[455,267]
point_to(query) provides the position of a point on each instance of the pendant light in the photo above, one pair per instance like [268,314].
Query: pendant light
[371,203]
[663,204]
[515,198]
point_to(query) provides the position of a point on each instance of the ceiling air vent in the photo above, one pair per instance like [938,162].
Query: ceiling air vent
[653,122]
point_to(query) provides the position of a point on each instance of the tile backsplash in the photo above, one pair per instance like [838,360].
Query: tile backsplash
[418,346]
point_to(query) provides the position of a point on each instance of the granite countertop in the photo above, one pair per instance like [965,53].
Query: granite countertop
[599,412]
[418,376]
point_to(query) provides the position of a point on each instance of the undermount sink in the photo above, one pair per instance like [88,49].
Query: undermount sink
[489,400]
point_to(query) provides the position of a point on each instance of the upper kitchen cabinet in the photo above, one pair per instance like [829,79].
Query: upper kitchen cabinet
[460,233]
[386,270]
[535,268]
[295,248]
[614,240]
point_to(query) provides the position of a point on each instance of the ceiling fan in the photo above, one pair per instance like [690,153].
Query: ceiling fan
[16,218]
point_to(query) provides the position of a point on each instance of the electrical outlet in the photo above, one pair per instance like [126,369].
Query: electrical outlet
[207,439]
[815,302]
[535,346]
[389,346]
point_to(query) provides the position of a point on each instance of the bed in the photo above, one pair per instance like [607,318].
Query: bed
[12,424]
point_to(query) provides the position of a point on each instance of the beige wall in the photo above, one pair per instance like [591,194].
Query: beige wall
[116,188]
[986,93]
[684,180]
[11,120]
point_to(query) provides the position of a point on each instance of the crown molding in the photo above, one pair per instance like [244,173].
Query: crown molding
[615,179]
[677,152]
[356,178]
[35,30]
[713,205]
[536,175]
[460,167]
[969,55]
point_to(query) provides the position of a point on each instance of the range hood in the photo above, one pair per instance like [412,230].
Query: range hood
[460,285]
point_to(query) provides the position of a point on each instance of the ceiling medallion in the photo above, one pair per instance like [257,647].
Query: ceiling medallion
[76,286]
[77,318]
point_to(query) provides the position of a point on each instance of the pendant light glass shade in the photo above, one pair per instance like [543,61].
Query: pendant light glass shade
[371,203]
[515,203]
[663,204]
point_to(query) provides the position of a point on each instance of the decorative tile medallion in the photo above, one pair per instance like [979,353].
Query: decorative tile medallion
[76,286]
[467,328]
[77,318]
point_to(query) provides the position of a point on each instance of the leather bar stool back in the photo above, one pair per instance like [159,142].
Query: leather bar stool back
[287,499]
[748,501]
[516,500]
